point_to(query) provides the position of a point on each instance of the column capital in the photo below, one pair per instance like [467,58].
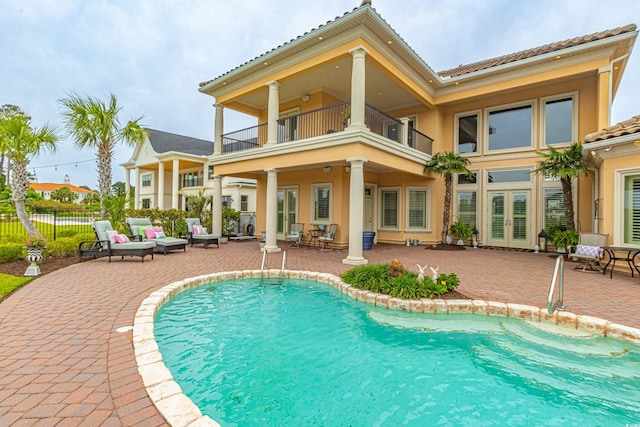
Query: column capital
[358,50]
[218,106]
[271,171]
[273,83]
[357,161]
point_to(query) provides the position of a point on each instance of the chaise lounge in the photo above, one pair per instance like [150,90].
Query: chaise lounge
[198,235]
[109,243]
[143,230]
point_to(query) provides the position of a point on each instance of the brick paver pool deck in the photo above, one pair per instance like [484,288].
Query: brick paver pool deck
[66,354]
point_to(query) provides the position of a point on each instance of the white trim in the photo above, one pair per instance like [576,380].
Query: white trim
[427,208]
[532,104]
[618,205]
[380,208]
[574,118]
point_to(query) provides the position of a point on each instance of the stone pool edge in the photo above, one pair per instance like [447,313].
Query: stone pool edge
[178,410]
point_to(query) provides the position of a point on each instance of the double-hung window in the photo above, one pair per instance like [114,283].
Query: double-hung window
[146,180]
[418,202]
[321,203]
[467,198]
[389,207]
[631,211]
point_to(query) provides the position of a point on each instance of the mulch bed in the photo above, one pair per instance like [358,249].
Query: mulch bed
[48,265]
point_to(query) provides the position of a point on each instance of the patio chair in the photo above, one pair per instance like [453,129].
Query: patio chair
[295,234]
[196,234]
[142,230]
[109,243]
[328,237]
[589,252]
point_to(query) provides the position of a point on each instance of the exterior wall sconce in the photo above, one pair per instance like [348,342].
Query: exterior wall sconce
[326,169]
[347,169]
[542,241]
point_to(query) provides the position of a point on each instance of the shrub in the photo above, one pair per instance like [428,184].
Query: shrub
[384,279]
[62,247]
[10,252]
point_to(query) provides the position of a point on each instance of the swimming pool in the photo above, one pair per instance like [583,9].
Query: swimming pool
[360,364]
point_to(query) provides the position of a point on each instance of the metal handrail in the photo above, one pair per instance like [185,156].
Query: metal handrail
[284,263]
[558,273]
[264,261]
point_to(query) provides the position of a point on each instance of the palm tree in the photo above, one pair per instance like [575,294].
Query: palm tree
[22,142]
[564,165]
[446,164]
[95,124]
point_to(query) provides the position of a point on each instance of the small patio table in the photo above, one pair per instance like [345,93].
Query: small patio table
[615,254]
[313,236]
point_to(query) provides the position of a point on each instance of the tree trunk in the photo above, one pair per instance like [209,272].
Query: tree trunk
[19,189]
[105,153]
[448,180]
[568,203]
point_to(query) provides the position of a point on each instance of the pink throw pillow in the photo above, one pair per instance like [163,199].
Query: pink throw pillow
[197,230]
[121,238]
[150,233]
[111,235]
[158,229]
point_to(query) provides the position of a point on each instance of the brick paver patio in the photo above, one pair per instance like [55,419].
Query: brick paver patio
[66,355]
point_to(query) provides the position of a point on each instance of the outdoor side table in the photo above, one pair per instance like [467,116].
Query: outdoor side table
[615,254]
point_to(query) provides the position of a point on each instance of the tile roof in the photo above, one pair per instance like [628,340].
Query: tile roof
[163,142]
[51,186]
[626,127]
[536,51]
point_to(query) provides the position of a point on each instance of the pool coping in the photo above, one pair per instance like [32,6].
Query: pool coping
[178,410]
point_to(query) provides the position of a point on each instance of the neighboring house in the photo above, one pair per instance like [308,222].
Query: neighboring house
[348,115]
[171,168]
[46,188]
[615,153]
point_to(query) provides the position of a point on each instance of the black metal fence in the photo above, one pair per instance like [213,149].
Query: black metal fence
[52,224]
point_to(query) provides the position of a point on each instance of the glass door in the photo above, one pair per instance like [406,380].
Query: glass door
[509,218]
[287,210]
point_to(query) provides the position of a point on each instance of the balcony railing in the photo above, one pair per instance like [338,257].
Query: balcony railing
[195,182]
[322,121]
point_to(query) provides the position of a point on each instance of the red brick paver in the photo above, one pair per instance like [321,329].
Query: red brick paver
[63,362]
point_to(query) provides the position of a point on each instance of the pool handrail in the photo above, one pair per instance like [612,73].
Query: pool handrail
[558,274]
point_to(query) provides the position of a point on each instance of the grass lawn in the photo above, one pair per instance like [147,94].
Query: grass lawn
[9,284]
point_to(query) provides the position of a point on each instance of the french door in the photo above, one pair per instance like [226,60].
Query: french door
[287,210]
[509,218]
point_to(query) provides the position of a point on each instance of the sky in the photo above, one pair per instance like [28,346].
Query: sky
[152,54]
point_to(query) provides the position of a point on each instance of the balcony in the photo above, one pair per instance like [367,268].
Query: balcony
[326,120]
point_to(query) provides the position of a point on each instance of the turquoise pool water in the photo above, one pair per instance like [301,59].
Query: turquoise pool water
[304,354]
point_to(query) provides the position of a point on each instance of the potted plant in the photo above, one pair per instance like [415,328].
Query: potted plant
[346,115]
[462,231]
[230,219]
[564,239]
[35,246]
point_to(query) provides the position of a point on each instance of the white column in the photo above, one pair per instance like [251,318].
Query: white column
[161,185]
[218,130]
[273,112]
[357,87]
[216,206]
[136,201]
[356,210]
[127,188]
[405,131]
[175,180]
[271,244]
[205,175]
